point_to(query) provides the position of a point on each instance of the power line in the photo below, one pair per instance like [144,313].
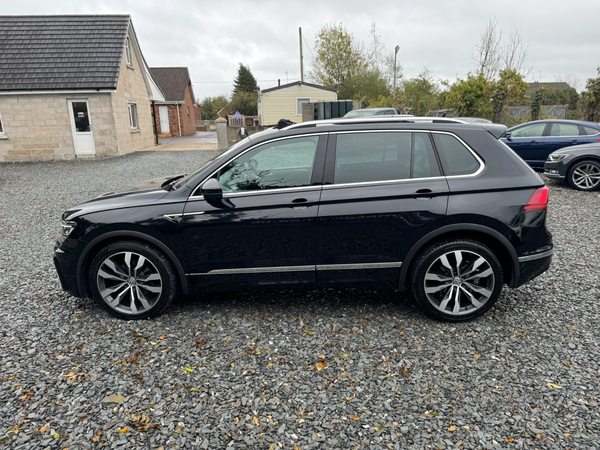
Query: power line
[231,82]
[311,52]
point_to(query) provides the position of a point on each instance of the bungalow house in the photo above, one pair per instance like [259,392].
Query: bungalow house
[73,86]
[175,115]
[285,101]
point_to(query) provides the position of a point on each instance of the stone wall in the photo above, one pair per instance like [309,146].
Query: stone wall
[38,126]
[234,134]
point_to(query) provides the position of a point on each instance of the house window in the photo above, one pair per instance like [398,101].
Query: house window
[188,110]
[127,52]
[1,127]
[133,117]
[299,103]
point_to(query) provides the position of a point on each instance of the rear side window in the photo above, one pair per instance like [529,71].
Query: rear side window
[590,131]
[370,157]
[564,129]
[535,130]
[456,158]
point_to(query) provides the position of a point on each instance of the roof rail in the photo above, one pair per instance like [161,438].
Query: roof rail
[380,119]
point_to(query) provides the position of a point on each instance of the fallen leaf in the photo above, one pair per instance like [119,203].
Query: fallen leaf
[123,430]
[378,427]
[321,365]
[43,429]
[321,356]
[56,435]
[153,343]
[161,336]
[510,439]
[351,398]
[452,428]
[354,418]
[554,386]
[308,332]
[272,446]
[4,440]
[566,434]
[15,429]
[476,357]
[59,357]
[188,370]
[255,420]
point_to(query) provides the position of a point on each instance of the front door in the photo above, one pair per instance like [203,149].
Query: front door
[263,231]
[164,119]
[81,124]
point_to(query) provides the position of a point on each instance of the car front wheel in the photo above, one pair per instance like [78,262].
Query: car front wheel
[457,280]
[132,280]
[585,175]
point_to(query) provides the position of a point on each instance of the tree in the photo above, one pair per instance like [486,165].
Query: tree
[245,102]
[211,105]
[245,81]
[536,104]
[509,90]
[471,97]
[420,94]
[590,99]
[338,58]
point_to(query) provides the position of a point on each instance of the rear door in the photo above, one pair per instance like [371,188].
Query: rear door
[383,190]
[561,135]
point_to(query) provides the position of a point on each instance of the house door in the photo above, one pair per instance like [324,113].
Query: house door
[164,119]
[81,125]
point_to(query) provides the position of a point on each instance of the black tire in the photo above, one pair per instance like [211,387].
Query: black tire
[451,296]
[584,175]
[132,280]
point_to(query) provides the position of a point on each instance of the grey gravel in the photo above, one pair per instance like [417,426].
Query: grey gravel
[240,370]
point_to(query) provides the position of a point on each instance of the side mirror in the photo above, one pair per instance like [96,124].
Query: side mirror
[507,136]
[212,191]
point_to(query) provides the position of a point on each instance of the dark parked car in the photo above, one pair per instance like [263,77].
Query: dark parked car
[439,207]
[534,141]
[373,112]
[579,166]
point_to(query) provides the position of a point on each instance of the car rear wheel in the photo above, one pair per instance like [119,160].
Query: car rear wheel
[585,175]
[457,280]
[132,280]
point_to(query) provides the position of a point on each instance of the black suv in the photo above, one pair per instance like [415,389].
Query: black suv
[440,207]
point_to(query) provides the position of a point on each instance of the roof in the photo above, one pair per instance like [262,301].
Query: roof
[298,83]
[61,52]
[550,85]
[173,81]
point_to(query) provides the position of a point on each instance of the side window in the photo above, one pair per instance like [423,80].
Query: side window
[299,103]
[369,157]
[1,127]
[590,131]
[564,129]
[275,165]
[456,158]
[535,130]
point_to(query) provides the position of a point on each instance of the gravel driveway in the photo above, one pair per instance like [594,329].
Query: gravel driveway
[335,369]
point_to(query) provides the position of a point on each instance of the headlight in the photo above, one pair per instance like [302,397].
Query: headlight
[66,228]
[557,156]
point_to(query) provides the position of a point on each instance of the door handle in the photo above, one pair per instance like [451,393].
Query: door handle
[574,141]
[424,191]
[299,200]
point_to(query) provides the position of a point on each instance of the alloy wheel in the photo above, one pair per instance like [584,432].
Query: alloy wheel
[459,282]
[586,176]
[129,282]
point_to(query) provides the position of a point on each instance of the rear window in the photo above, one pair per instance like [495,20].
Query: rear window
[590,131]
[456,158]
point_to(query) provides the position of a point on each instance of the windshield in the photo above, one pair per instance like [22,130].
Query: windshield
[359,113]
[218,157]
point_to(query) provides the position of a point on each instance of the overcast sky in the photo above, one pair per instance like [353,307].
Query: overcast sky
[212,37]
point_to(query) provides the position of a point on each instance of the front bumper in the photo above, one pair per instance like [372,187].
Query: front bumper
[65,266]
[555,169]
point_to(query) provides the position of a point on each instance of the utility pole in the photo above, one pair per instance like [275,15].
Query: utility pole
[301,63]
[395,54]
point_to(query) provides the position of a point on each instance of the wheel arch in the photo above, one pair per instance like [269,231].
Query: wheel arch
[492,239]
[95,244]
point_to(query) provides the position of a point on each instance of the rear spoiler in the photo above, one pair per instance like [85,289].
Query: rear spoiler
[495,129]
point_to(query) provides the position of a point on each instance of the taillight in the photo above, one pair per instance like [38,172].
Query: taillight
[538,201]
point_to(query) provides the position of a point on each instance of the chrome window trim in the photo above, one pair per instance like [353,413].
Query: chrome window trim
[193,196]
[264,192]
[475,155]
[384,182]
[383,265]
[536,256]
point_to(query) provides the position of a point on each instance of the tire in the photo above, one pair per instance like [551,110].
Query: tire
[584,175]
[132,280]
[456,280]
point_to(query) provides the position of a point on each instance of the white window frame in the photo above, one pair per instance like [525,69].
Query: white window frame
[133,116]
[128,51]
[188,110]
[299,105]
[2,133]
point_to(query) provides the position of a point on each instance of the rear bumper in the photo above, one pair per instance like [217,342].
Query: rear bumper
[532,266]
